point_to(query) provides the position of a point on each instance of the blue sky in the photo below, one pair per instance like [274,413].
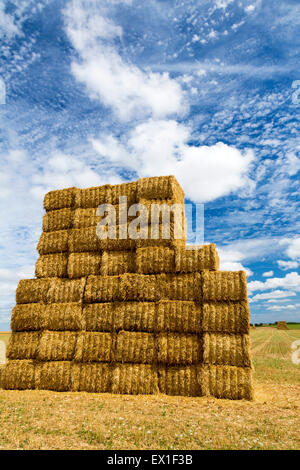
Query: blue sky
[107,91]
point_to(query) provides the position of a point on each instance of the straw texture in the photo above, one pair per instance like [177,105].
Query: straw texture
[226,317]
[224,286]
[135,347]
[226,382]
[180,380]
[134,379]
[224,349]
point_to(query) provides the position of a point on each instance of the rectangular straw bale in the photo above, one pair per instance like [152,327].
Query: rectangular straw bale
[135,347]
[62,317]
[57,346]
[135,316]
[61,219]
[99,317]
[18,375]
[26,317]
[60,199]
[91,377]
[83,264]
[161,187]
[181,316]
[117,262]
[65,290]
[84,218]
[183,287]
[84,240]
[224,286]
[120,242]
[54,376]
[102,289]
[225,349]
[226,317]
[134,379]
[94,347]
[23,345]
[195,259]
[179,380]
[32,290]
[93,197]
[53,242]
[226,382]
[178,348]
[163,211]
[54,265]
[124,189]
[152,260]
[142,287]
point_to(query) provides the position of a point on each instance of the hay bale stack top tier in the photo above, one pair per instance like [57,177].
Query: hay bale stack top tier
[135,311]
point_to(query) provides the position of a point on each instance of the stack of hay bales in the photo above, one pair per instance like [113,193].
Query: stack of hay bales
[281,325]
[127,316]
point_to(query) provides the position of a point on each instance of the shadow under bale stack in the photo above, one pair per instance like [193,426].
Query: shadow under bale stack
[128,315]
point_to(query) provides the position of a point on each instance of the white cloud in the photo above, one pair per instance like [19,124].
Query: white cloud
[234,266]
[268,274]
[281,307]
[276,294]
[129,91]
[290,281]
[285,265]
[8,27]
[159,147]
[293,250]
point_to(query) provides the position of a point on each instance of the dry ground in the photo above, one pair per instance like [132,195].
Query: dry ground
[51,420]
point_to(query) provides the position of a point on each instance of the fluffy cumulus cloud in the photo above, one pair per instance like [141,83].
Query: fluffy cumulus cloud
[8,27]
[276,294]
[122,86]
[293,250]
[286,265]
[160,144]
[268,274]
[290,281]
[160,147]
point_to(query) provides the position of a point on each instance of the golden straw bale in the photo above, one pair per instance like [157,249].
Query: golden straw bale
[54,265]
[134,379]
[91,377]
[226,317]
[179,380]
[124,189]
[152,260]
[65,290]
[161,187]
[32,290]
[18,375]
[135,347]
[224,285]
[61,219]
[57,346]
[62,317]
[225,349]
[94,347]
[93,197]
[53,242]
[282,325]
[84,239]
[102,289]
[183,286]
[117,262]
[83,264]
[163,212]
[195,259]
[178,316]
[226,382]
[136,316]
[99,317]
[142,287]
[26,317]
[121,241]
[23,345]
[178,348]
[53,376]
[84,218]
[60,199]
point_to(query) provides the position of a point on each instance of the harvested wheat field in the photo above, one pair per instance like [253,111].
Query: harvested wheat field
[52,420]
